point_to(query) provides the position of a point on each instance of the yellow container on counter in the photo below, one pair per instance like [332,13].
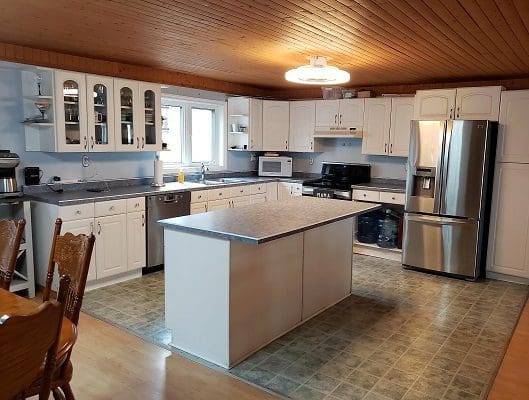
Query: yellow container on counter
[181,176]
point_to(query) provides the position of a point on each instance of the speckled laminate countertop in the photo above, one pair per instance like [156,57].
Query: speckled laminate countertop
[68,198]
[260,223]
[383,185]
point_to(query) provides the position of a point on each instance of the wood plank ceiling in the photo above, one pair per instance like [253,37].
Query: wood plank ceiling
[255,41]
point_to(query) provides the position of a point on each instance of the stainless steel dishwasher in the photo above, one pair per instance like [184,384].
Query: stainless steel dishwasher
[159,207]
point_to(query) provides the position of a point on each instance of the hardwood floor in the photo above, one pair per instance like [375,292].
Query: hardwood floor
[110,363]
[512,381]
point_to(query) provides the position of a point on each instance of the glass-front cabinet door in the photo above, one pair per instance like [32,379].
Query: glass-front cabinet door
[127,120]
[151,135]
[100,118]
[70,93]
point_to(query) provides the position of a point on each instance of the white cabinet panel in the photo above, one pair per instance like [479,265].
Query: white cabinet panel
[478,103]
[150,107]
[199,196]
[219,204]
[271,191]
[256,124]
[241,201]
[377,120]
[258,198]
[136,240]
[128,122]
[302,123]
[399,134]
[351,113]
[76,212]
[276,125]
[83,227]
[366,195]
[111,249]
[136,204]
[392,198]
[513,138]
[509,230]
[327,112]
[297,189]
[110,207]
[435,104]
[100,113]
[243,190]
[197,208]
[284,191]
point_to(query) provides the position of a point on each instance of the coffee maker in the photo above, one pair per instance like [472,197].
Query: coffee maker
[8,181]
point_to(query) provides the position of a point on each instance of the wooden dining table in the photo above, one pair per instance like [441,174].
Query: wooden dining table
[11,304]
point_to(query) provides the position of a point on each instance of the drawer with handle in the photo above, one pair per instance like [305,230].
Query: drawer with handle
[111,207]
[80,211]
[392,198]
[217,194]
[259,188]
[199,196]
[238,191]
[366,195]
[136,204]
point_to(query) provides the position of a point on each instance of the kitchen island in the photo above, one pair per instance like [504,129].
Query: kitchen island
[237,279]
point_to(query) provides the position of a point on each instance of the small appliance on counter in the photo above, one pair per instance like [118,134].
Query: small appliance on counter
[32,176]
[8,181]
[275,166]
[336,180]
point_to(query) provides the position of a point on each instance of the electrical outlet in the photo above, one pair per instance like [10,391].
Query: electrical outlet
[253,157]
[311,161]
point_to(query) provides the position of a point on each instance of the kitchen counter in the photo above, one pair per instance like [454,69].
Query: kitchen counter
[239,278]
[383,185]
[83,196]
[264,222]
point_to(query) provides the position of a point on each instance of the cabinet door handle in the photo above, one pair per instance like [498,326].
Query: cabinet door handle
[457,111]
[340,119]
[111,208]
[99,228]
[85,140]
[138,143]
[391,148]
[451,111]
[286,144]
[92,228]
[92,142]
[77,212]
[385,147]
[142,142]
[311,144]
[335,119]
[142,220]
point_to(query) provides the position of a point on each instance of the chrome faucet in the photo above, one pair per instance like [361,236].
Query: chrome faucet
[202,171]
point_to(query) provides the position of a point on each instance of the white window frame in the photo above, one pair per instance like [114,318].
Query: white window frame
[219,150]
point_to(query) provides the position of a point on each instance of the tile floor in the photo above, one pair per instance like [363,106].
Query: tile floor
[401,335]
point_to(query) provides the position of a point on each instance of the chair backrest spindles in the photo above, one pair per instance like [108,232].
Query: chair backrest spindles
[11,232]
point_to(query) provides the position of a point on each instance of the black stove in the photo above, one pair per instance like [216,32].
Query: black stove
[336,180]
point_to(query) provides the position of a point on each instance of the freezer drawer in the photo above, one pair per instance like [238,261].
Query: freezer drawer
[441,244]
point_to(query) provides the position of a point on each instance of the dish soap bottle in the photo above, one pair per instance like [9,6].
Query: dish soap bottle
[181,176]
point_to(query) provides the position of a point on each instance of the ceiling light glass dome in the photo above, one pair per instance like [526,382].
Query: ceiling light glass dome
[317,73]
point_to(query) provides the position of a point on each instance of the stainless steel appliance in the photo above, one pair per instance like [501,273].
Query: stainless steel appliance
[449,183]
[336,180]
[159,207]
[275,166]
[8,181]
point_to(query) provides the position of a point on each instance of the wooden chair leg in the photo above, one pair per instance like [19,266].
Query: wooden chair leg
[68,393]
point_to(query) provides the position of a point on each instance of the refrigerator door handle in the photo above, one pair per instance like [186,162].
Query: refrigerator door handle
[440,167]
[427,219]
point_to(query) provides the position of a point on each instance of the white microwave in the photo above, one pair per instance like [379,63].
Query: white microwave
[275,166]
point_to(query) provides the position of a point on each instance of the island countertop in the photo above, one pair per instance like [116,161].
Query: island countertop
[260,223]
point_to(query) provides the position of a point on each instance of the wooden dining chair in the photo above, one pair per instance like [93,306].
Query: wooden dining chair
[27,342]
[11,232]
[70,255]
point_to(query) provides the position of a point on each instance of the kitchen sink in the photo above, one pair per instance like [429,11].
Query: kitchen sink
[222,181]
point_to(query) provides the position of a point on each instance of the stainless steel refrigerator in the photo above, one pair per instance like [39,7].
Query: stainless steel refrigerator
[448,190]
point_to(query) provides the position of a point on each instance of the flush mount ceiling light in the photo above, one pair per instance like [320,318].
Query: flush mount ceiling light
[317,73]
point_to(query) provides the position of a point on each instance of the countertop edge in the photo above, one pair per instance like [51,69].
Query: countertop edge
[252,240]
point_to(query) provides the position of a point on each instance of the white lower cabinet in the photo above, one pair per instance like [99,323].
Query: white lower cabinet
[241,201]
[197,208]
[83,227]
[271,191]
[136,254]
[222,204]
[286,190]
[257,198]
[111,250]
[509,230]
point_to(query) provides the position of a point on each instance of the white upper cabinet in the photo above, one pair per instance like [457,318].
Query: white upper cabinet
[339,114]
[150,132]
[377,120]
[435,104]
[276,125]
[245,123]
[327,112]
[302,120]
[461,103]
[478,103]
[513,138]
[100,113]
[509,230]
[70,95]
[128,108]
[401,117]
[351,113]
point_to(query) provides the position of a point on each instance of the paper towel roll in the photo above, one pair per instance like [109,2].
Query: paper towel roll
[158,172]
